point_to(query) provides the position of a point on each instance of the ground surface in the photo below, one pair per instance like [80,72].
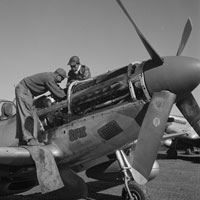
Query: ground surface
[179,179]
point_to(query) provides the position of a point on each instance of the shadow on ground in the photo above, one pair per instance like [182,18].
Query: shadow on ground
[94,188]
[194,158]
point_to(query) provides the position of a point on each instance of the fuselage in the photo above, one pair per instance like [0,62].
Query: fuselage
[98,134]
[86,138]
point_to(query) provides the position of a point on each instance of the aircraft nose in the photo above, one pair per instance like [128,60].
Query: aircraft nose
[178,75]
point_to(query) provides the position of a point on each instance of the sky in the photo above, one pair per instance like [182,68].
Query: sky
[41,35]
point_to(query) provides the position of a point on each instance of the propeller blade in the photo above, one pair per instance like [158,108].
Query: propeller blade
[185,36]
[154,55]
[151,134]
[191,111]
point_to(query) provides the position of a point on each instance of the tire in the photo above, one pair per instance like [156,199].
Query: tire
[138,192]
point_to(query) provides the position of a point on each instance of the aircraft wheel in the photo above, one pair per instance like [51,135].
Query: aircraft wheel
[136,191]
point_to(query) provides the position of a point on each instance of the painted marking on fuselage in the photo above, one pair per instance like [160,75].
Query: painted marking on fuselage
[75,134]
[109,130]
[156,121]
[159,103]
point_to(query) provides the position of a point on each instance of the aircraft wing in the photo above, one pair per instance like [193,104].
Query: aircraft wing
[173,135]
[20,156]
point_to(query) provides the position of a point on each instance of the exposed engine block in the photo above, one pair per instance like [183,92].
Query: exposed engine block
[85,97]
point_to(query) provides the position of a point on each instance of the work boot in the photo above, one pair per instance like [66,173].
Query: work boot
[34,142]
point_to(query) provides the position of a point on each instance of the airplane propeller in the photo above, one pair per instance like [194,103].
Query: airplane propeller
[185,36]
[168,80]
[154,55]
[147,145]
[188,105]
[191,111]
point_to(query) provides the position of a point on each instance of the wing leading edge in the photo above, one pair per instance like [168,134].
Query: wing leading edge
[20,156]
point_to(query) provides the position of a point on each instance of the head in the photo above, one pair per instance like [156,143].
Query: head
[74,63]
[60,75]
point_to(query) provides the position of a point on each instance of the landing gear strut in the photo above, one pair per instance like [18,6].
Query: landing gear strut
[131,190]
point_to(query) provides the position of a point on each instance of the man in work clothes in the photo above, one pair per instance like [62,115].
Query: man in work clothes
[77,71]
[25,92]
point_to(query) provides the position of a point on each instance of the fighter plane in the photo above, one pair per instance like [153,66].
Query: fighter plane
[187,139]
[101,116]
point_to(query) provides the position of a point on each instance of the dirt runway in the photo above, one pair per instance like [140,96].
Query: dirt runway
[179,179]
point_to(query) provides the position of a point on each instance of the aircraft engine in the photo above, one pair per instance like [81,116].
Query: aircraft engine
[91,95]
[100,92]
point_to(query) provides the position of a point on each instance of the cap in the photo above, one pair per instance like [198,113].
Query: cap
[74,60]
[61,72]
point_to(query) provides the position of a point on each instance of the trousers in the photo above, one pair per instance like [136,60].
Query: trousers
[27,121]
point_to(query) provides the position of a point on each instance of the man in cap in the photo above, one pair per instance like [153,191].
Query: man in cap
[77,71]
[30,87]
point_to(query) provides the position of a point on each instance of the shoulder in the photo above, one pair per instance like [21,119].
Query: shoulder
[45,74]
[70,72]
[49,75]
[42,76]
[84,67]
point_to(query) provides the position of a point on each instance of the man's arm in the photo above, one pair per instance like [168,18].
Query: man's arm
[56,90]
[70,77]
